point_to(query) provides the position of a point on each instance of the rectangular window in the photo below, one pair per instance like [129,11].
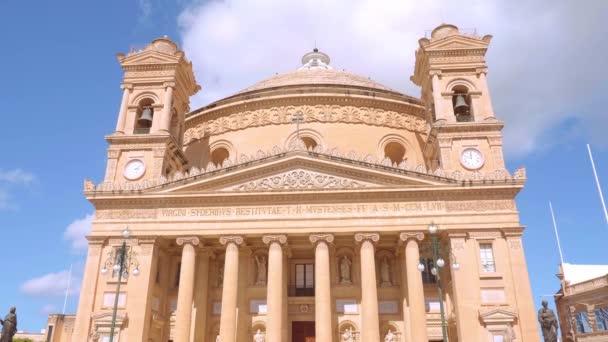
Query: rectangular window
[305,280]
[487,258]
[601,318]
[108,299]
[582,322]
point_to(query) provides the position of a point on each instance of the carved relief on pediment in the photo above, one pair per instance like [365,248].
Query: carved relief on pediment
[300,179]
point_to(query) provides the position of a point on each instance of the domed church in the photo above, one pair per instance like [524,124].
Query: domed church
[315,205]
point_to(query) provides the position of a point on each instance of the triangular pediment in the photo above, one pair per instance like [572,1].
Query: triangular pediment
[497,315]
[148,57]
[457,42]
[300,172]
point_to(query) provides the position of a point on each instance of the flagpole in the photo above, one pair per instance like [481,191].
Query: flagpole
[67,290]
[559,246]
[597,181]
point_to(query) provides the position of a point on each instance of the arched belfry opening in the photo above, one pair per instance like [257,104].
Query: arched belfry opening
[144,117]
[309,142]
[461,103]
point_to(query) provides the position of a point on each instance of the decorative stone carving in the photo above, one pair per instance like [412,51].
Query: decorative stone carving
[193,240]
[236,239]
[319,113]
[520,173]
[314,238]
[268,239]
[373,237]
[345,271]
[404,236]
[111,214]
[88,185]
[300,179]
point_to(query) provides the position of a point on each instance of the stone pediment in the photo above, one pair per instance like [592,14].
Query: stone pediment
[148,57]
[457,42]
[497,315]
[299,173]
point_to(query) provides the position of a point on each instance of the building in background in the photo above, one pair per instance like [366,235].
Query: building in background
[298,209]
[582,303]
[59,328]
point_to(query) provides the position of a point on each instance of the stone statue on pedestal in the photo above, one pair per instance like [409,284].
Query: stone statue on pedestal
[259,336]
[385,272]
[261,276]
[390,337]
[348,336]
[548,323]
[9,326]
[345,264]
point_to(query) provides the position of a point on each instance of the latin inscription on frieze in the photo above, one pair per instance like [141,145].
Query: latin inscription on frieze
[309,211]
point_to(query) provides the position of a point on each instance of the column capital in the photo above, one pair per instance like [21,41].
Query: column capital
[227,239]
[372,237]
[169,84]
[182,240]
[404,236]
[280,239]
[316,238]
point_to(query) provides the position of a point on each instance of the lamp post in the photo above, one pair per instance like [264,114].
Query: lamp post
[121,261]
[437,252]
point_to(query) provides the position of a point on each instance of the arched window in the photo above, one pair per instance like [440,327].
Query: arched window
[461,102]
[309,142]
[395,152]
[145,114]
[219,155]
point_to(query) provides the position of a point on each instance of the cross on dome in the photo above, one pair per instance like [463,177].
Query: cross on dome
[315,60]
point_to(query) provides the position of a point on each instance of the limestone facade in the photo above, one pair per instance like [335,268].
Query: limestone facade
[582,303]
[297,209]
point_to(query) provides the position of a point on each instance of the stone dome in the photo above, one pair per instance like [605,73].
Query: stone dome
[315,70]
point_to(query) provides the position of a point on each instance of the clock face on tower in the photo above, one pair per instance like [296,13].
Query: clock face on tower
[134,169]
[472,159]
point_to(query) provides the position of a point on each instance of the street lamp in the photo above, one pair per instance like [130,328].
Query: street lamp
[121,261]
[438,252]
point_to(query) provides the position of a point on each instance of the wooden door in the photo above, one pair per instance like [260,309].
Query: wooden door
[303,332]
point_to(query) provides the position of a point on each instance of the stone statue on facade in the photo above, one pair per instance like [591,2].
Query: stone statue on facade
[345,265]
[94,337]
[348,336]
[261,276]
[509,335]
[9,326]
[385,272]
[548,323]
[390,337]
[259,336]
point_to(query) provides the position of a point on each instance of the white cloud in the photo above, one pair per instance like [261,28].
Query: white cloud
[543,60]
[5,201]
[51,284]
[145,9]
[17,176]
[76,231]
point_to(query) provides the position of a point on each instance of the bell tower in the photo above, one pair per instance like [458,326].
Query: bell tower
[451,70]
[157,85]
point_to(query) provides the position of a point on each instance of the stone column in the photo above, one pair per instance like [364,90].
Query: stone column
[82,326]
[165,121]
[230,288]
[201,295]
[124,104]
[370,323]
[487,109]
[323,301]
[185,292]
[415,288]
[274,287]
[441,112]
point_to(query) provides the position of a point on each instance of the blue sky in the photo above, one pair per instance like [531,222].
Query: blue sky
[60,96]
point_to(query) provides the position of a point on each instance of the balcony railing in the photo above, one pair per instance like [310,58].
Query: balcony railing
[298,291]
